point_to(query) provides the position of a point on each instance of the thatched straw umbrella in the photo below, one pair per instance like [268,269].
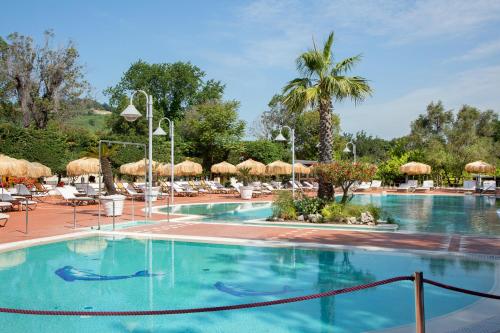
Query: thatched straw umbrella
[43,171]
[415,168]
[188,168]
[278,168]
[480,167]
[301,169]
[223,168]
[256,168]
[165,169]
[137,168]
[12,167]
[83,166]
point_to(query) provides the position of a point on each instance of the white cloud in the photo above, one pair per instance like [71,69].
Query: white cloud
[478,87]
[482,51]
[406,21]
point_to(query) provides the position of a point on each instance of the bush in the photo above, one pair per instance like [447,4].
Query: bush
[336,211]
[284,207]
[308,205]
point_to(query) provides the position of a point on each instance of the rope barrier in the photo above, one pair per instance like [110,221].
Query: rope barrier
[461,290]
[207,309]
[246,305]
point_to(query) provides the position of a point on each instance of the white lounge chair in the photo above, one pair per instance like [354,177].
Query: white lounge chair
[404,187]
[20,202]
[376,184]
[413,183]
[68,194]
[469,186]
[364,186]
[4,218]
[427,185]
[489,186]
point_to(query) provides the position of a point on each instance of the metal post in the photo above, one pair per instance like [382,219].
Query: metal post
[27,214]
[171,160]
[74,215]
[419,302]
[150,167]
[99,191]
[293,163]
[113,214]
[133,208]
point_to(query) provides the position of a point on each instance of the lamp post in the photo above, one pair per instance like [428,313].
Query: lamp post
[347,150]
[280,137]
[160,131]
[131,114]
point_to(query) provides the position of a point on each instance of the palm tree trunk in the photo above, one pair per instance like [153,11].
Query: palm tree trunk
[325,189]
[107,175]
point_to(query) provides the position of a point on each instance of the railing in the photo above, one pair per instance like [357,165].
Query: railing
[417,278]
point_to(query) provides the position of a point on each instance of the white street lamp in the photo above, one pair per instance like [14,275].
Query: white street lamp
[160,131]
[280,137]
[131,114]
[347,150]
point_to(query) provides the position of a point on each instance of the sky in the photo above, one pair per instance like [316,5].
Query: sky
[414,52]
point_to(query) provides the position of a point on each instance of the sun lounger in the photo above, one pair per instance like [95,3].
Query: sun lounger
[87,190]
[413,183]
[68,194]
[18,201]
[4,218]
[489,186]
[181,191]
[469,186]
[364,186]
[22,190]
[427,185]
[5,206]
[404,187]
[376,184]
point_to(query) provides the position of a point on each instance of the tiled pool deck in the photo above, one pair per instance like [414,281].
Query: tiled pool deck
[53,218]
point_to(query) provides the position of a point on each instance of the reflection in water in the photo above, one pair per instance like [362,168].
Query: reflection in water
[12,258]
[87,246]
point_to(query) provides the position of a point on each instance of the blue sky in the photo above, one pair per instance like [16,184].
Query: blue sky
[414,51]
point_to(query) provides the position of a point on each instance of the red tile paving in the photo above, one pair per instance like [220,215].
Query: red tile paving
[53,217]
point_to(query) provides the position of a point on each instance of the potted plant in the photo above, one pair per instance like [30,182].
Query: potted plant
[246,190]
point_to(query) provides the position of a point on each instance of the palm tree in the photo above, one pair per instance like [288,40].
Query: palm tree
[107,169]
[324,81]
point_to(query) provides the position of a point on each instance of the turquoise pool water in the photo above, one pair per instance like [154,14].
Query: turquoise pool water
[422,213]
[191,275]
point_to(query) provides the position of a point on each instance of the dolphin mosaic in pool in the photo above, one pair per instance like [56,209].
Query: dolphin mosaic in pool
[240,292]
[70,274]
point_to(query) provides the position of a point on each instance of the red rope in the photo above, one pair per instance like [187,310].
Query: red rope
[207,309]
[461,290]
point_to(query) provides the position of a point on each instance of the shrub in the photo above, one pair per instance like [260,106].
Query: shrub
[332,211]
[308,205]
[284,207]
[375,211]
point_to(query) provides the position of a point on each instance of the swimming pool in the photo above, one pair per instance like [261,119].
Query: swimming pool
[465,214]
[101,273]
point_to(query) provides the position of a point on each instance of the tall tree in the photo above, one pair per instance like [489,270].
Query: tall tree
[322,82]
[44,78]
[175,88]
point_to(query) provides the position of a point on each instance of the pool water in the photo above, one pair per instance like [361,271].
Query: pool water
[466,214]
[185,275]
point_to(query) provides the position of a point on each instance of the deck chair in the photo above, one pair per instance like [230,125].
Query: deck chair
[404,187]
[68,194]
[4,218]
[364,186]
[86,189]
[22,190]
[19,202]
[469,186]
[182,191]
[376,184]
[427,185]
[489,186]
[413,183]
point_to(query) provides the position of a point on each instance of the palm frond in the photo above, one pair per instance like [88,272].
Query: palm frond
[341,87]
[300,95]
[296,83]
[311,63]
[346,65]
[327,49]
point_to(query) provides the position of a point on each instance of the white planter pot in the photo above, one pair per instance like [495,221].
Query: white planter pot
[246,192]
[118,201]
